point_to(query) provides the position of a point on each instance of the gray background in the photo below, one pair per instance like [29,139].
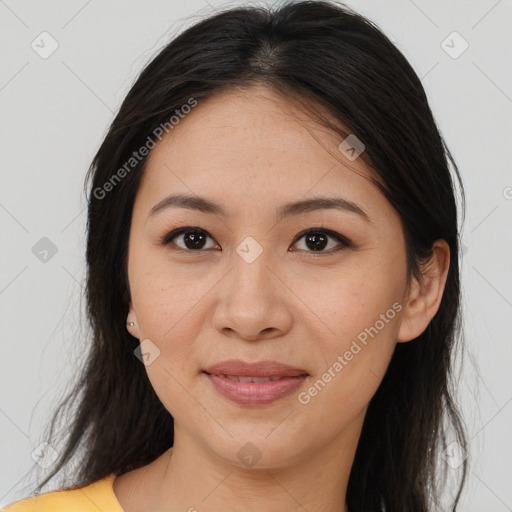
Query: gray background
[55,112]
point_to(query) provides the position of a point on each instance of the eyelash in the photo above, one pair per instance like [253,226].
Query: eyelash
[345,242]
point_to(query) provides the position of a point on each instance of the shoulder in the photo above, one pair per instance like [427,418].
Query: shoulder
[96,496]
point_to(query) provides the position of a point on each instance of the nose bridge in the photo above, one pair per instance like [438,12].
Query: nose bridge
[251,274]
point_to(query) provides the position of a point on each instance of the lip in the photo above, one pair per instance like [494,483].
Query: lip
[267,368]
[255,393]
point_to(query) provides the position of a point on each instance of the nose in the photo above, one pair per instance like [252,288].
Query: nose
[254,302]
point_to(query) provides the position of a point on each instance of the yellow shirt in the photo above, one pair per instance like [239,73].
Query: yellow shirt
[95,497]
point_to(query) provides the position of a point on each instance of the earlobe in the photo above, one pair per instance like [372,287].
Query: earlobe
[425,293]
[131,323]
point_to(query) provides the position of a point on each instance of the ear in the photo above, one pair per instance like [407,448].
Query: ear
[425,294]
[132,317]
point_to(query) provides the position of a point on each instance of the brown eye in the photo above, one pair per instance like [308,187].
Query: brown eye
[193,239]
[317,240]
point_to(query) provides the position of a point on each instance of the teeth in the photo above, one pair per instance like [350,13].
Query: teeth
[249,379]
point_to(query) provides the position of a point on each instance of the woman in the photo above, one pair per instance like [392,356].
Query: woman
[273,279]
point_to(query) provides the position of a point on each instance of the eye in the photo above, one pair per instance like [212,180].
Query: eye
[317,240]
[193,239]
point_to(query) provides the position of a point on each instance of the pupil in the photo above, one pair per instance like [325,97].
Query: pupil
[196,238]
[317,245]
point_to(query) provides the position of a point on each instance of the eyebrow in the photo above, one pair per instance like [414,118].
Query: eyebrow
[296,208]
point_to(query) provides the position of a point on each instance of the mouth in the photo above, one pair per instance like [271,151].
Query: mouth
[251,390]
[254,383]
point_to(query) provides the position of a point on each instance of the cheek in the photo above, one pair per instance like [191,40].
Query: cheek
[167,314]
[167,309]
[353,362]
[360,313]
[354,300]
[161,295]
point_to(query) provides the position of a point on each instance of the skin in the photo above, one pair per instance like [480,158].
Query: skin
[252,151]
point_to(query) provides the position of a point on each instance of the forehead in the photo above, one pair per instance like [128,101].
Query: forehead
[253,146]
[246,120]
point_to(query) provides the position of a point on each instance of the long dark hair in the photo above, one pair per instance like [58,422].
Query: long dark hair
[323,54]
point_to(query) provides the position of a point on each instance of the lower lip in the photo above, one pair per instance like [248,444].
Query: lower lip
[255,393]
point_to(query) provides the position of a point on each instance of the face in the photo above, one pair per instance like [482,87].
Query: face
[251,284]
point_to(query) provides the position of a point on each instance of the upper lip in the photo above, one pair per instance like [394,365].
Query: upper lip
[237,367]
